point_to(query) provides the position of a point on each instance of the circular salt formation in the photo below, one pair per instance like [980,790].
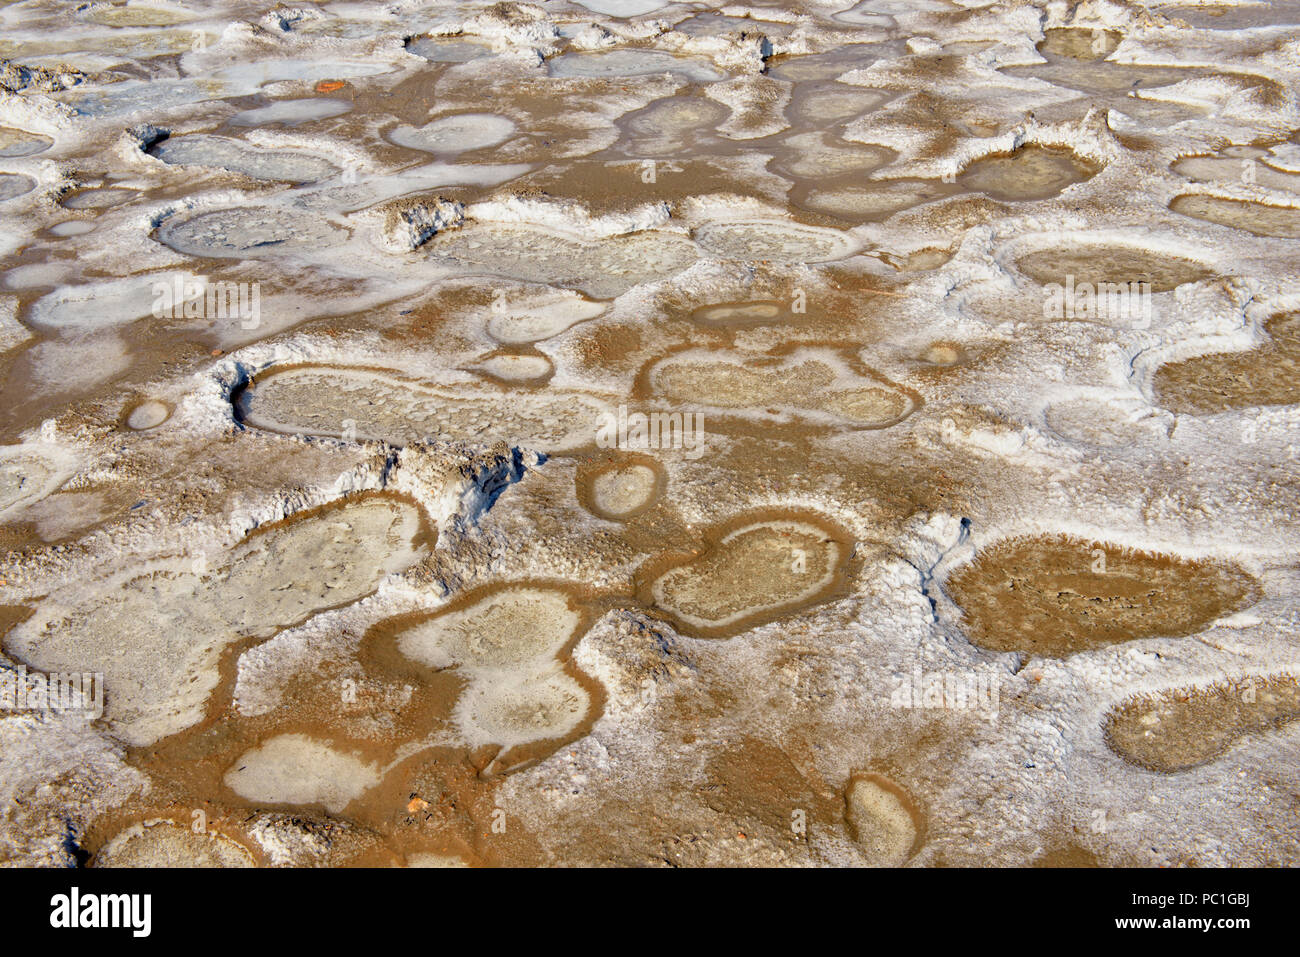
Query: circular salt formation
[1029,173]
[455,134]
[447,51]
[774,241]
[883,820]
[1261,219]
[71,227]
[13,185]
[632,63]
[755,571]
[149,414]
[97,198]
[249,232]
[755,313]
[511,627]
[1099,262]
[239,157]
[296,769]
[513,713]
[876,201]
[15,143]
[542,318]
[169,844]
[515,368]
[291,112]
[624,490]
[942,354]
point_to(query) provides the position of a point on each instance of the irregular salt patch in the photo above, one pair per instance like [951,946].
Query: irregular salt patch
[455,134]
[755,570]
[523,711]
[835,103]
[813,155]
[168,844]
[1181,728]
[137,16]
[237,156]
[508,628]
[883,820]
[96,305]
[1055,595]
[295,769]
[1106,424]
[368,404]
[158,630]
[291,112]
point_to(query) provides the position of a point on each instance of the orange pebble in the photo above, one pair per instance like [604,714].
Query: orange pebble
[329,86]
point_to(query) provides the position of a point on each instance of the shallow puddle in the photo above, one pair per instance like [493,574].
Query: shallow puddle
[625,63]
[291,112]
[455,134]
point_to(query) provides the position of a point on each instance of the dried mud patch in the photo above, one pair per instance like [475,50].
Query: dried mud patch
[1182,728]
[1055,595]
